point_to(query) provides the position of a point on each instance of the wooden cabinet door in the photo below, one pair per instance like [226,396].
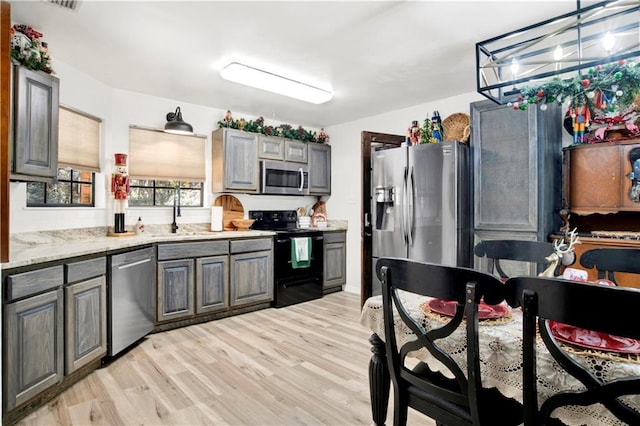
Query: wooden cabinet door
[594,179]
[212,284]
[33,346]
[295,151]
[517,170]
[251,277]
[86,322]
[319,169]
[175,289]
[35,145]
[627,202]
[335,268]
[270,147]
[241,161]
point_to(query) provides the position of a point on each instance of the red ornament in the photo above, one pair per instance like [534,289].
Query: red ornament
[598,67]
[540,93]
[520,97]
[585,82]
[622,61]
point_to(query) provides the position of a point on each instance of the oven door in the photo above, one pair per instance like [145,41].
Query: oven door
[281,178]
[295,285]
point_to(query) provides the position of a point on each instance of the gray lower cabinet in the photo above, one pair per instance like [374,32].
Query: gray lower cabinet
[54,323]
[86,322]
[335,262]
[193,278]
[33,346]
[85,301]
[175,289]
[251,271]
[212,284]
[319,169]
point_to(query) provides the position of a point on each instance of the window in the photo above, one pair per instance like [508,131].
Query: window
[144,192]
[73,188]
[78,158]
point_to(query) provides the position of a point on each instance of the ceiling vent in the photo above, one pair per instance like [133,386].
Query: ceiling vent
[67,4]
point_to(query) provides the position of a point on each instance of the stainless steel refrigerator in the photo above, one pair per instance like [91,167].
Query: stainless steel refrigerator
[421,204]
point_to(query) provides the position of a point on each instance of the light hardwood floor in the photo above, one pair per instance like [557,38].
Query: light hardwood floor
[305,364]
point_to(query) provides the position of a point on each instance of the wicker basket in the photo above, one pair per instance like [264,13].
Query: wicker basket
[456,127]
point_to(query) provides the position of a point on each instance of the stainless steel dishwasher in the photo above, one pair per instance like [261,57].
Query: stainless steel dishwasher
[131,298]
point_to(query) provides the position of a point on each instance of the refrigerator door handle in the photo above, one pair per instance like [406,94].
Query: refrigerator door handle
[410,201]
[404,207]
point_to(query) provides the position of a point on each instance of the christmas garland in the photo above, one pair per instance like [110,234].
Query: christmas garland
[604,89]
[28,50]
[283,130]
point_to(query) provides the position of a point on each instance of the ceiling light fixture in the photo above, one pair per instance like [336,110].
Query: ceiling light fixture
[268,81]
[559,47]
[176,125]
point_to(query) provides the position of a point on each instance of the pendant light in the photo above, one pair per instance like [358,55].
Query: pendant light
[176,125]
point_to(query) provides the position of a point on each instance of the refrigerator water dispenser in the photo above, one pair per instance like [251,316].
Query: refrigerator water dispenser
[384,197]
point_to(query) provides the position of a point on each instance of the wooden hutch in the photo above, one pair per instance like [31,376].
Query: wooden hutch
[601,198]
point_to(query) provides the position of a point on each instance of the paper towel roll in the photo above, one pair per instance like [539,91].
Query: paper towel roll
[216,218]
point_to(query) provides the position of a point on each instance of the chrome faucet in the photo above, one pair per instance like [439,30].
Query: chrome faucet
[176,211]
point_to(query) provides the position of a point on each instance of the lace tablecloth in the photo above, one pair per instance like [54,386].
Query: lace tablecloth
[501,360]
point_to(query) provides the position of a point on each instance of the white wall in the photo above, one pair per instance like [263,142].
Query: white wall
[118,109]
[121,108]
[346,174]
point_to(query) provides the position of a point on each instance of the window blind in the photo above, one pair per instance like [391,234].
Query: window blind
[154,154]
[78,140]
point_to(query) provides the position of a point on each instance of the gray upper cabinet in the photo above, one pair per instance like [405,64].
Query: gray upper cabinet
[517,157]
[319,169]
[235,161]
[35,125]
[270,147]
[277,148]
[295,151]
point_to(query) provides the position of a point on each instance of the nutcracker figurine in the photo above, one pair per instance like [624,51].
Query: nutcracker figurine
[581,117]
[437,132]
[120,191]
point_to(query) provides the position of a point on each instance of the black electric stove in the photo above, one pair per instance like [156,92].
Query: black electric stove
[295,282]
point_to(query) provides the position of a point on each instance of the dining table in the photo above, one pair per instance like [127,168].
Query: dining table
[500,341]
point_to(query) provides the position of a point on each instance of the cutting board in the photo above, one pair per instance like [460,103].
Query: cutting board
[232,209]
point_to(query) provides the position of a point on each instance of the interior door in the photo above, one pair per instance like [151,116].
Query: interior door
[367,141]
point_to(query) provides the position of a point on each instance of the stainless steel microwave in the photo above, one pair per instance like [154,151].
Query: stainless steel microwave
[282,178]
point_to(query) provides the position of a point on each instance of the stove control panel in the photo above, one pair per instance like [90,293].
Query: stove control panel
[273,219]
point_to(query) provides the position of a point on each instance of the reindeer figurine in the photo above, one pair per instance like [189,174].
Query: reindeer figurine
[562,253]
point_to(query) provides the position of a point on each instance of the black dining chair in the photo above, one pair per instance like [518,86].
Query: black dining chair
[587,306]
[515,250]
[458,401]
[608,261]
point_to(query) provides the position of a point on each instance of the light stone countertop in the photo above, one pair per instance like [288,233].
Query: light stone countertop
[31,248]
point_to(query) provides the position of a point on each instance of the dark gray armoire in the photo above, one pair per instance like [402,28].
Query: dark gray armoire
[517,177]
